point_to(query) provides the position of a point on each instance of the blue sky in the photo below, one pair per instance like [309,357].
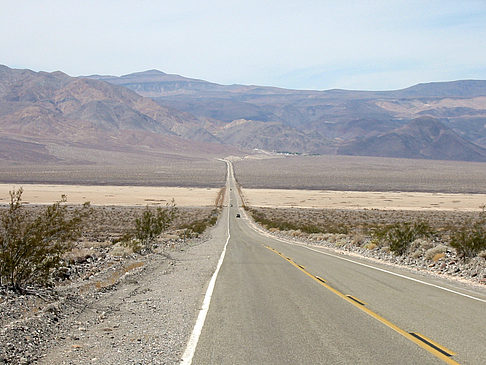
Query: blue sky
[307,44]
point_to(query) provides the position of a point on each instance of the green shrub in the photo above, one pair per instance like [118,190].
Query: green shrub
[31,248]
[284,225]
[199,226]
[399,236]
[149,225]
[470,238]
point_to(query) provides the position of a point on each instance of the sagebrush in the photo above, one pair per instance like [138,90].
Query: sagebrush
[399,236]
[31,247]
[283,224]
[470,238]
[199,226]
[149,225]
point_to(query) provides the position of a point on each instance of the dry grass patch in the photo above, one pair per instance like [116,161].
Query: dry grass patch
[438,256]
[115,276]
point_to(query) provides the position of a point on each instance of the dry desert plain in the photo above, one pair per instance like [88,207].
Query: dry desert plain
[320,182]
[168,171]
[113,195]
[355,173]
[328,199]
[271,198]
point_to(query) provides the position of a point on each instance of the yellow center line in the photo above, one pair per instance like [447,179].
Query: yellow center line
[376,316]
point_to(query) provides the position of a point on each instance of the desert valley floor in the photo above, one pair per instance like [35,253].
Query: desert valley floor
[273,198]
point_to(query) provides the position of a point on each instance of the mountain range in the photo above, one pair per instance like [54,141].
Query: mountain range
[52,117]
[331,121]
[55,117]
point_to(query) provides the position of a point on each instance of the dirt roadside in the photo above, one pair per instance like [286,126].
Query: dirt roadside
[147,317]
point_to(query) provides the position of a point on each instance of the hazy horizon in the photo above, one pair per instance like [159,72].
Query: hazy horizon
[356,45]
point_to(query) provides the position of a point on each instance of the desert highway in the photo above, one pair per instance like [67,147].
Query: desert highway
[274,302]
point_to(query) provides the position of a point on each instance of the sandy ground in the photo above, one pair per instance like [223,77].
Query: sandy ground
[277,198]
[112,195]
[143,195]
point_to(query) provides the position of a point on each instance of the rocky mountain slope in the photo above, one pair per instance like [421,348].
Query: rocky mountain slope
[421,138]
[52,117]
[42,112]
[332,121]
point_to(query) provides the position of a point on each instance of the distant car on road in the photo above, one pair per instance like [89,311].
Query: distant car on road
[238,215]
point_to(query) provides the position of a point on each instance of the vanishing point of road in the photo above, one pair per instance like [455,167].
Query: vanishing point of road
[276,302]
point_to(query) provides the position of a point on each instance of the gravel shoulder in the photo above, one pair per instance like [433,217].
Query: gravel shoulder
[110,306]
[148,317]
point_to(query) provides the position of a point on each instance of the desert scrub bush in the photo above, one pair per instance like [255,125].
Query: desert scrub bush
[358,239]
[371,245]
[418,247]
[197,227]
[148,226]
[283,224]
[399,236]
[432,252]
[32,247]
[470,238]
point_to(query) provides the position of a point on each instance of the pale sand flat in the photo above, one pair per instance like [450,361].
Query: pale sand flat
[112,195]
[319,199]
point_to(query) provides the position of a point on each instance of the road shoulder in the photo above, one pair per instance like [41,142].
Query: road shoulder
[148,317]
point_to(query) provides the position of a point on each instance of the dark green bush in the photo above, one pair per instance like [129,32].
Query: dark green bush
[400,235]
[31,248]
[149,225]
[470,238]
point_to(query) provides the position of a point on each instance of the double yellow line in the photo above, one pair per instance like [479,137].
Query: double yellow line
[434,348]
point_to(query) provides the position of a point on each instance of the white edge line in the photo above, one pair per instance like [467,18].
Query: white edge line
[201,318]
[399,275]
[256,228]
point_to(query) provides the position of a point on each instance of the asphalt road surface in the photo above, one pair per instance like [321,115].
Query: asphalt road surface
[281,303]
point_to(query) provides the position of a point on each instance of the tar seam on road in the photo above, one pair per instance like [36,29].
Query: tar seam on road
[433,344]
[201,318]
[432,347]
[356,300]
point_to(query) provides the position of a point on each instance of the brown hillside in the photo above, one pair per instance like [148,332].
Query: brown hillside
[40,110]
